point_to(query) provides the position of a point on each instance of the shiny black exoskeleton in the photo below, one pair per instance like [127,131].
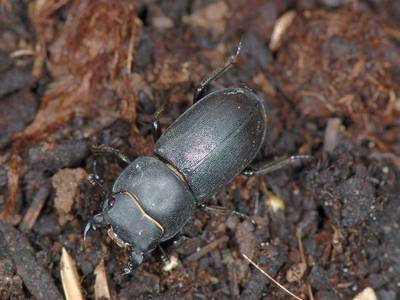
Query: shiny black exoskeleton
[205,148]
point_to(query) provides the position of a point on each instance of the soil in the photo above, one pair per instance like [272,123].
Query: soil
[75,73]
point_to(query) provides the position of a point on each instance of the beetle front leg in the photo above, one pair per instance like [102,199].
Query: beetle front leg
[135,259]
[276,165]
[202,88]
[95,179]
[164,255]
[104,149]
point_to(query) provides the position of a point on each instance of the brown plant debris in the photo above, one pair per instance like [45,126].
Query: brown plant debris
[69,277]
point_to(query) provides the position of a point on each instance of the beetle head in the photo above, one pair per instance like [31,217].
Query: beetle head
[129,227]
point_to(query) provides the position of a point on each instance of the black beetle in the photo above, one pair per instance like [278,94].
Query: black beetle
[205,148]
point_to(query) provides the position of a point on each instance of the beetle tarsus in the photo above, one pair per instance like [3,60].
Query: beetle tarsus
[127,270]
[164,255]
[105,149]
[248,172]
[225,211]
[202,88]
[155,124]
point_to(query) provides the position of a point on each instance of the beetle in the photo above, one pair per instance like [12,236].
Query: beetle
[216,139]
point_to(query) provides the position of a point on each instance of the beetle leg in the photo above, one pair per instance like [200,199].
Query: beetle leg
[277,165]
[178,239]
[102,149]
[135,259]
[155,124]
[201,89]
[95,179]
[225,211]
[164,255]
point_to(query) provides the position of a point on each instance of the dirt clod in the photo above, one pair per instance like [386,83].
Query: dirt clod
[65,183]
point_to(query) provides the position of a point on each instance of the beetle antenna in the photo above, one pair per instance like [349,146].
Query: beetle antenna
[276,165]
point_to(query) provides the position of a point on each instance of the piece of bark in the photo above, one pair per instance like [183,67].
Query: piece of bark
[35,277]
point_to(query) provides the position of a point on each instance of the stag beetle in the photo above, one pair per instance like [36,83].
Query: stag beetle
[206,147]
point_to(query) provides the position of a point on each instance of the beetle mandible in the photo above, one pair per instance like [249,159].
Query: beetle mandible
[216,139]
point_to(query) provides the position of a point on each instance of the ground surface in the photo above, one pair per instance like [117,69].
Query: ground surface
[77,73]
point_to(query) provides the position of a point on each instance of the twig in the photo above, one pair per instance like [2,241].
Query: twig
[300,242]
[270,278]
[35,208]
[303,259]
[14,173]
[206,249]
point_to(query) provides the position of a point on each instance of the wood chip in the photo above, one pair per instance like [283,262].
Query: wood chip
[101,290]
[275,203]
[331,133]
[366,294]
[172,264]
[280,28]
[296,272]
[69,277]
